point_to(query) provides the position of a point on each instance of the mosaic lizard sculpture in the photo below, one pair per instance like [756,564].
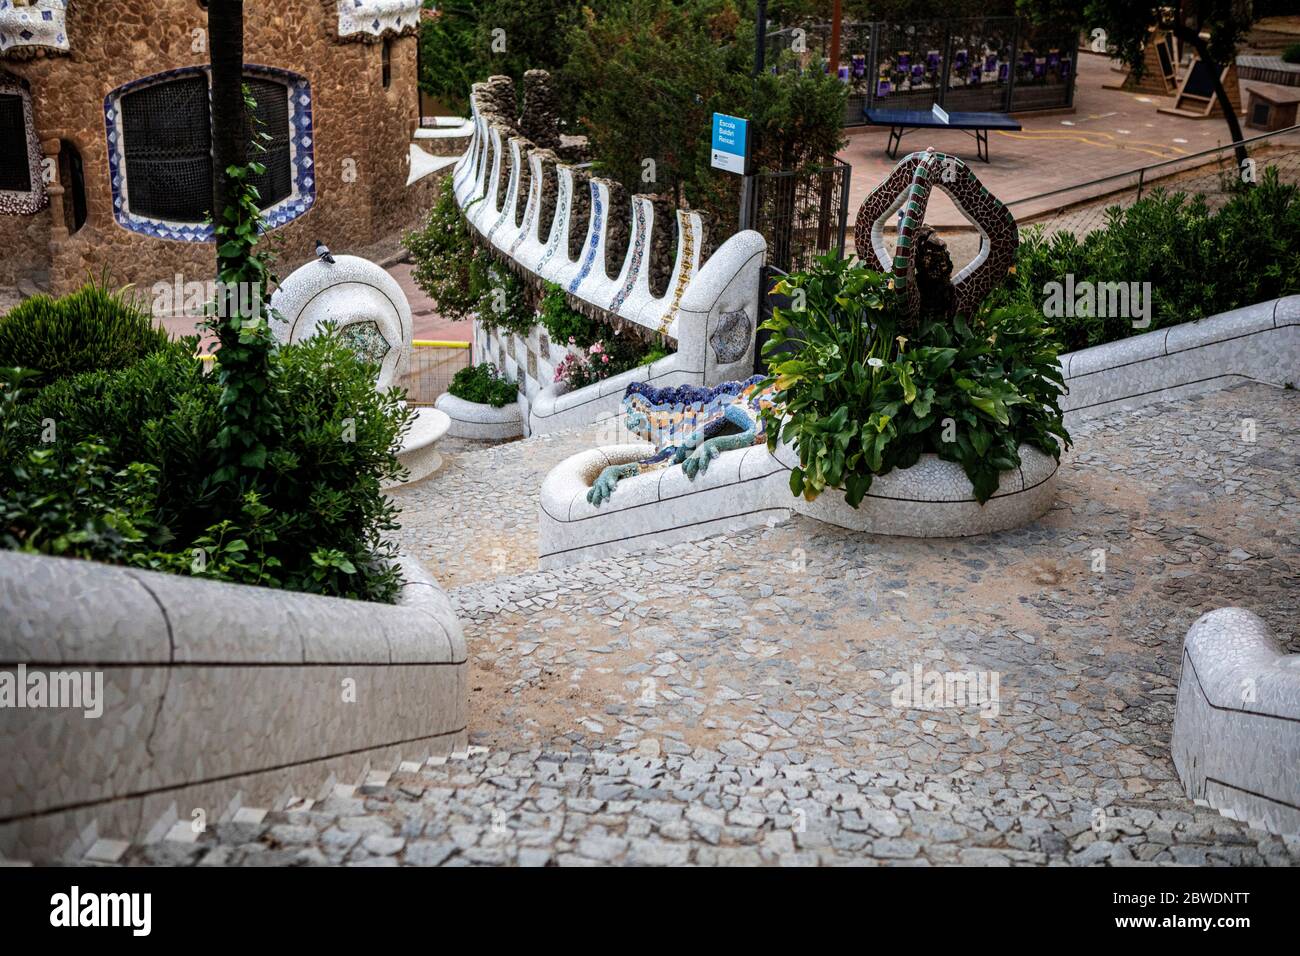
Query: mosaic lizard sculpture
[688,426]
[907,191]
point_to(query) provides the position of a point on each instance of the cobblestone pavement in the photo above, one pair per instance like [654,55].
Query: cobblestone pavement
[766,695]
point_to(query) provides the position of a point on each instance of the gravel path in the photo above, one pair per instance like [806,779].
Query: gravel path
[749,698]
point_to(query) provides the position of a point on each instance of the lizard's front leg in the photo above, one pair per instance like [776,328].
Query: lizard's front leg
[603,487]
[699,459]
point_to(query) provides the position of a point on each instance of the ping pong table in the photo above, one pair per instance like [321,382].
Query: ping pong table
[975,124]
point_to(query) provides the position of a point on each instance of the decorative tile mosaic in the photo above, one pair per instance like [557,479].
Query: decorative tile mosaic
[558,228]
[597,226]
[301,157]
[508,207]
[908,188]
[687,230]
[638,253]
[13,203]
[376,17]
[366,341]
[40,24]
[534,200]
[730,340]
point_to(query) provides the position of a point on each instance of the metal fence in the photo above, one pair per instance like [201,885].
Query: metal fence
[991,64]
[432,366]
[801,213]
[1213,173]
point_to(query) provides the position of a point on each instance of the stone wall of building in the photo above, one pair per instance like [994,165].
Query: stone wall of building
[358,125]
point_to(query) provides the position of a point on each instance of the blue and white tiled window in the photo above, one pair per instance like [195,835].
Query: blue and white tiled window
[162,137]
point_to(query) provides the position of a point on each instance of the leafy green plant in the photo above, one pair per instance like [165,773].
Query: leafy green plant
[564,323]
[448,266]
[92,328]
[246,373]
[859,401]
[1198,261]
[484,385]
[116,465]
[504,302]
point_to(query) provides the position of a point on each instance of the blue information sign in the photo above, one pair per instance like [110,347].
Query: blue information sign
[730,143]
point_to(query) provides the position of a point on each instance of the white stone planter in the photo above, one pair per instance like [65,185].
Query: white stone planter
[750,486]
[479,421]
[934,499]
[1236,740]
[214,697]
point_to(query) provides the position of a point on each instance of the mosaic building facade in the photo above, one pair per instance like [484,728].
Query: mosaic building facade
[105,162]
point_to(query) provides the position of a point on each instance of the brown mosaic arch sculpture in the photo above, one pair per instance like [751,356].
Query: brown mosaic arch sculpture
[908,188]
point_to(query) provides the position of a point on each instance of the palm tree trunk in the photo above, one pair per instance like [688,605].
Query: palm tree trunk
[229,129]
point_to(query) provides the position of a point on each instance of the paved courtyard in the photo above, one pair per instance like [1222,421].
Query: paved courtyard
[748,698]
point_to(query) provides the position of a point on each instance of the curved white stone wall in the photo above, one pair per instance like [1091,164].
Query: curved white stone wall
[709,310]
[214,696]
[751,486]
[1236,740]
[1256,343]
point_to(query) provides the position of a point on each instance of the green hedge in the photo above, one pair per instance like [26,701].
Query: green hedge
[484,385]
[92,328]
[1198,262]
[125,475]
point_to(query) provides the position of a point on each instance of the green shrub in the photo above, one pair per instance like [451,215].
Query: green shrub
[504,302]
[137,446]
[92,328]
[564,323]
[1199,262]
[860,402]
[448,266]
[1291,54]
[484,385]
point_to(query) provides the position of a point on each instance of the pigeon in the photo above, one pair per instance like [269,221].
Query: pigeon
[323,252]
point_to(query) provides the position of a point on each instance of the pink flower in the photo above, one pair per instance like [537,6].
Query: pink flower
[604,358]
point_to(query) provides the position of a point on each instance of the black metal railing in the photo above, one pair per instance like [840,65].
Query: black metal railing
[801,213]
[984,64]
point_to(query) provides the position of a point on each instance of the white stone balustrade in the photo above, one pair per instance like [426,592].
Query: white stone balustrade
[708,310]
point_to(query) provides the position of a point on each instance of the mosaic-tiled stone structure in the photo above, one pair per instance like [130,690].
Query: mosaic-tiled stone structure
[576,247]
[688,427]
[1236,739]
[375,18]
[37,26]
[364,302]
[908,189]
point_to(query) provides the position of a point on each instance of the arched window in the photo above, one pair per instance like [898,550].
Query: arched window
[15,171]
[73,177]
[160,138]
[22,190]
